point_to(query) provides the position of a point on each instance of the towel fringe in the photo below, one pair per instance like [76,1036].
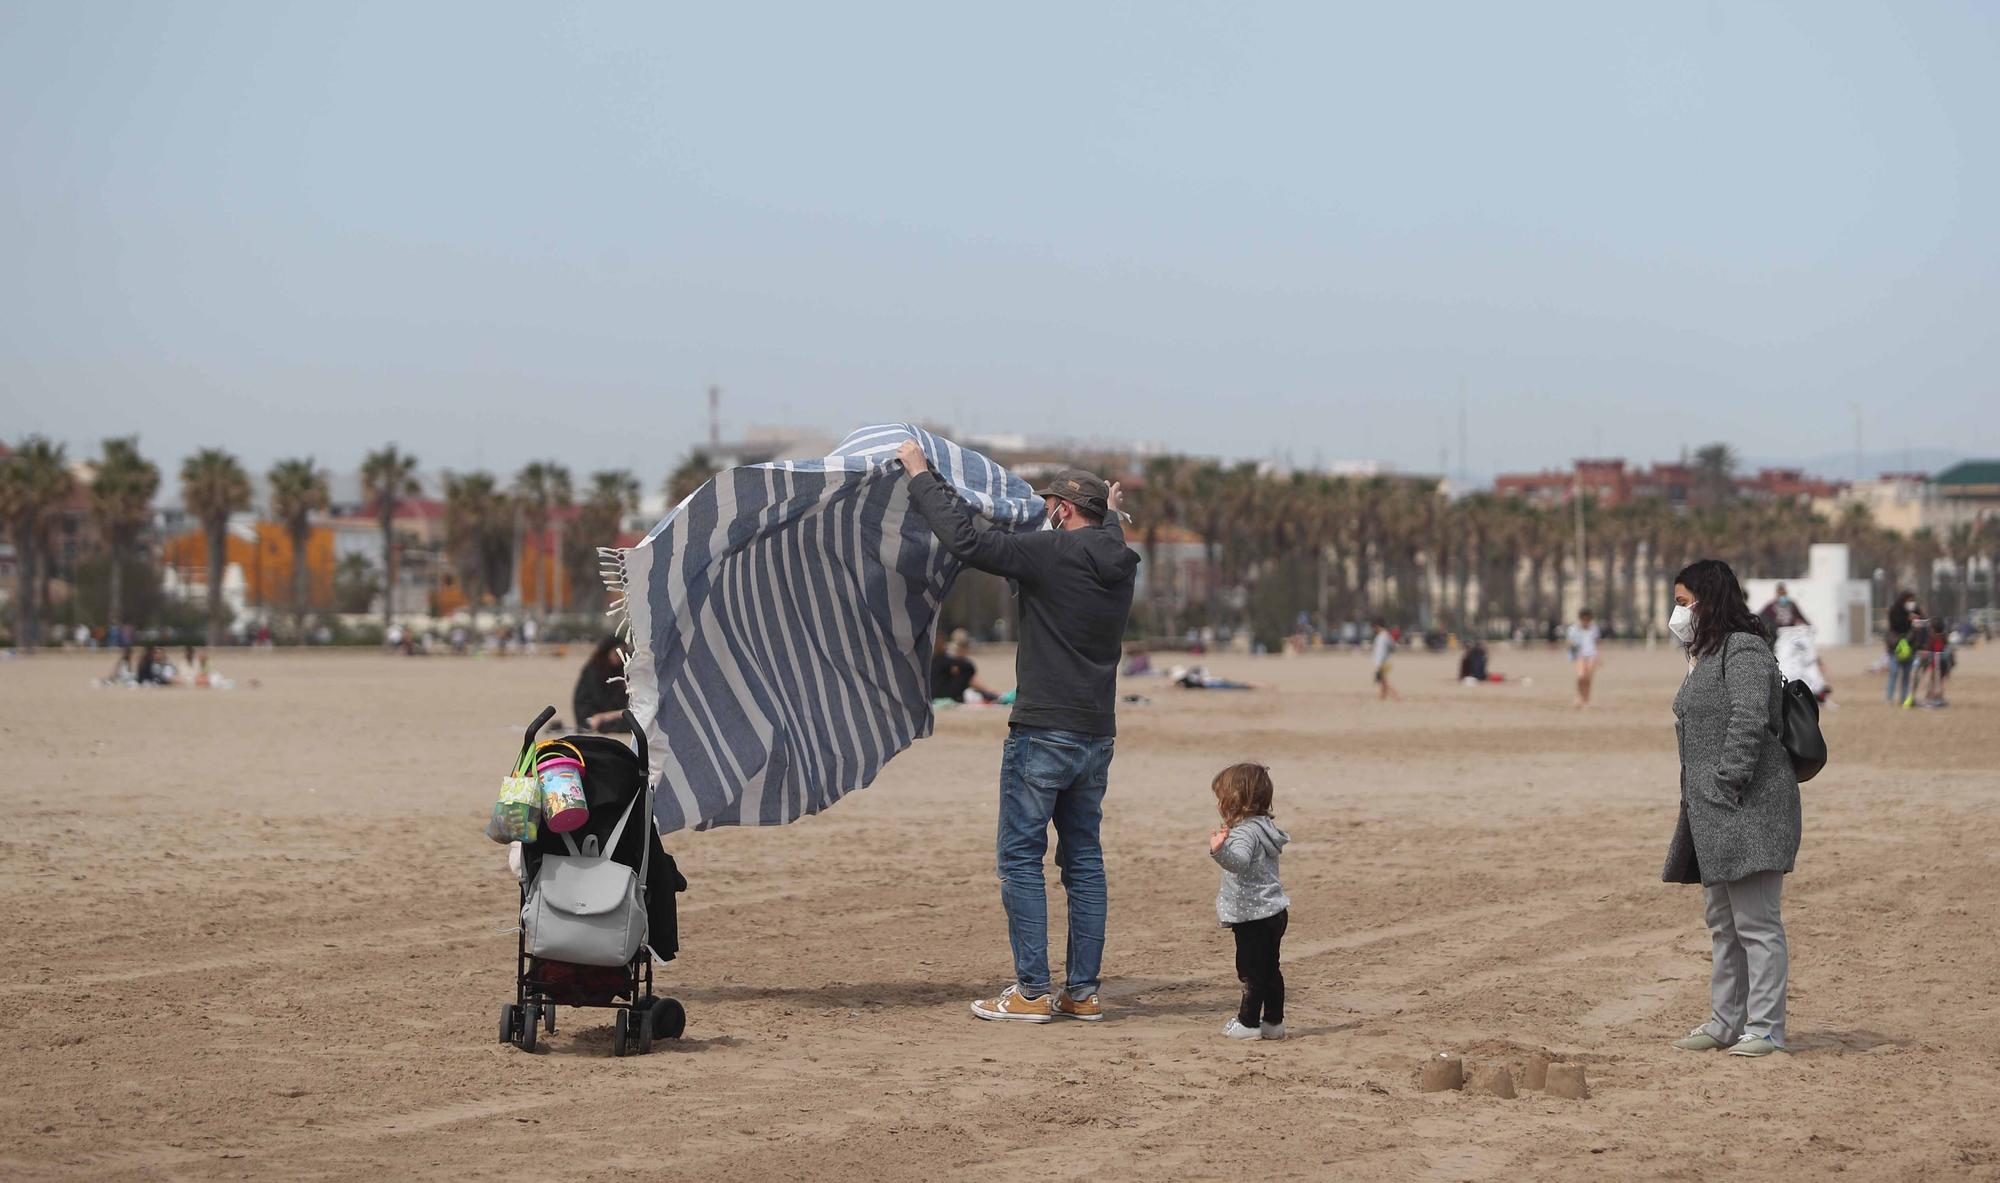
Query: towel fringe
[618,601]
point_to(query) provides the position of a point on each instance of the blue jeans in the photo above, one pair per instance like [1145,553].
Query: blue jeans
[1053,776]
[1899,675]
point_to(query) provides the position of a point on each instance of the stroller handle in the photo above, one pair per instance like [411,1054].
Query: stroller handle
[535,728]
[638,737]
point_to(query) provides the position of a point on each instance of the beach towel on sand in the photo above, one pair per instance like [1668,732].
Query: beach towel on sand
[779,625]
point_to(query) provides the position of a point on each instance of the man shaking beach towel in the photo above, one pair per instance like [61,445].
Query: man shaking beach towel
[780,624]
[1075,582]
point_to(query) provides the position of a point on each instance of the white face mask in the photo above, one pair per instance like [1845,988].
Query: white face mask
[1681,624]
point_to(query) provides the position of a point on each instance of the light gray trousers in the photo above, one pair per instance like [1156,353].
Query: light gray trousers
[1746,985]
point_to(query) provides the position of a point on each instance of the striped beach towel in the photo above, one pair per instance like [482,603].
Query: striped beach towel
[779,624]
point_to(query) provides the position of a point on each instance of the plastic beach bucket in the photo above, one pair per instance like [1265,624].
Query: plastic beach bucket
[560,778]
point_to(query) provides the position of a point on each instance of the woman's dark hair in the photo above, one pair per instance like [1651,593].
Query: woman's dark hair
[1721,606]
[602,658]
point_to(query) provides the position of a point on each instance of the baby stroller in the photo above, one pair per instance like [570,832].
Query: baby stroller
[597,904]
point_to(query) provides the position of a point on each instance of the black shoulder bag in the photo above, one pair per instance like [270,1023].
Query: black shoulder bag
[1796,725]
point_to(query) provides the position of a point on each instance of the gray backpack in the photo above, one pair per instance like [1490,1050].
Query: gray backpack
[585,908]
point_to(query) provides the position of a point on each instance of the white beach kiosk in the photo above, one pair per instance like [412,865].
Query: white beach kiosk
[1841,609]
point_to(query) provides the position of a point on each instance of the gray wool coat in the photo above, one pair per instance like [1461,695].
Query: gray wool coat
[1739,796]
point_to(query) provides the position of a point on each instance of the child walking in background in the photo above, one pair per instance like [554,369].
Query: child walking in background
[1384,646]
[1583,638]
[1252,903]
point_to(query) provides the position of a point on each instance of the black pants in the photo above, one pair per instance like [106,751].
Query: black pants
[1257,968]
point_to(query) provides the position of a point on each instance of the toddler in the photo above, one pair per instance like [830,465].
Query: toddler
[1252,903]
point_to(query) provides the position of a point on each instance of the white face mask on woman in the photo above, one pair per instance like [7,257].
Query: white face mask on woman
[1681,623]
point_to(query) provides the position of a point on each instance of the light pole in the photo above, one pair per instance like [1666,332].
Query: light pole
[1582,555]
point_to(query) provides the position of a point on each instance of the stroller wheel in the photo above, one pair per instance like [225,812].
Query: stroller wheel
[621,1026]
[549,1018]
[508,1017]
[668,1018]
[530,1019]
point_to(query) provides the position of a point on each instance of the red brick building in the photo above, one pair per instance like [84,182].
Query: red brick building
[1607,482]
[1610,484]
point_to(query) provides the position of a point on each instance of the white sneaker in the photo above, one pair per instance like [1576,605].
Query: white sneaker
[1270,1031]
[1236,1030]
[1754,1045]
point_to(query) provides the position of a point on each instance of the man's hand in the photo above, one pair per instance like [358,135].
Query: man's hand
[1117,499]
[912,456]
[1216,840]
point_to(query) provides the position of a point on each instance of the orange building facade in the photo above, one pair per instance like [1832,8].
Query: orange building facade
[266,563]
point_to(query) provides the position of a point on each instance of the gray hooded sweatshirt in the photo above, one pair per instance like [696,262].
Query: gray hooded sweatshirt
[1249,858]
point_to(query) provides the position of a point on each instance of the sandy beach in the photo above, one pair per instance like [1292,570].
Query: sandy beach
[258,934]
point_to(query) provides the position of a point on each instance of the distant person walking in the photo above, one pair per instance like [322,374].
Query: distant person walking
[1075,584]
[1924,639]
[1902,652]
[1739,827]
[1782,612]
[1583,638]
[1384,646]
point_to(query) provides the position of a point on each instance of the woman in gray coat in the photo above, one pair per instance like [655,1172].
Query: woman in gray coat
[1739,823]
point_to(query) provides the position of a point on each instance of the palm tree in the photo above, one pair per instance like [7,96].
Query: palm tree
[121,496]
[354,583]
[1517,547]
[387,478]
[1715,474]
[542,490]
[613,494]
[35,481]
[213,486]
[1922,551]
[1959,545]
[694,472]
[1207,486]
[1650,519]
[298,490]
[1987,538]
[1315,506]
[479,530]
[1158,506]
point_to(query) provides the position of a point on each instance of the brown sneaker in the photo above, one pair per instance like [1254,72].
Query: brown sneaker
[1087,1009]
[1010,1005]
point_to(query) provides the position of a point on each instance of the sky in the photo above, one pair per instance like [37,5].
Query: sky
[492,232]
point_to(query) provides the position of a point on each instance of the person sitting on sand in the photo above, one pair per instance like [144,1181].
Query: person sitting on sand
[1472,666]
[1198,678]
[154,669]
[599,699]
[961,652]
[954,676]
